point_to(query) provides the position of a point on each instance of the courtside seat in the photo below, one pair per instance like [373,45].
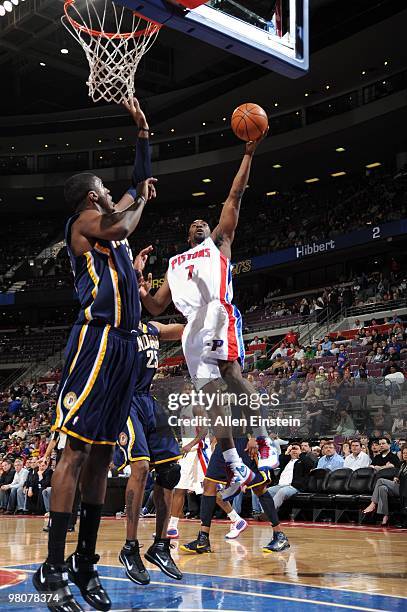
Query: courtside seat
[358,491]
[303,500]
[334,484]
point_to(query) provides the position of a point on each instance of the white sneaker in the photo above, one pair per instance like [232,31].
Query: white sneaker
[236,529]
[242,476]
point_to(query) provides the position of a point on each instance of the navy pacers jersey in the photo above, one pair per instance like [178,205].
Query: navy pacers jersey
[148,345]
[106,283]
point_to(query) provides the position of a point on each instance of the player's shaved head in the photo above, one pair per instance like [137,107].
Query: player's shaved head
[198,231]
[78,186]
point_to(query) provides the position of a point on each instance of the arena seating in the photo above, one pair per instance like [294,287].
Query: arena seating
[336,493]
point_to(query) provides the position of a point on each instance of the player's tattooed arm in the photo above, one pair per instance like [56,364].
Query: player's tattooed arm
[224,232]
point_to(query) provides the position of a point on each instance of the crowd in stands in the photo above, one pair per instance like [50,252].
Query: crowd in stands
[265,225]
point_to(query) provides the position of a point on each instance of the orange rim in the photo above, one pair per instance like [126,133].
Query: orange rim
[152,26]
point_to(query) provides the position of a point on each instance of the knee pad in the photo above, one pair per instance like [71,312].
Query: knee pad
[168,475]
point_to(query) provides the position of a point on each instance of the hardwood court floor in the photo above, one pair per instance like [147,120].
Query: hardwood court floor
[327,567]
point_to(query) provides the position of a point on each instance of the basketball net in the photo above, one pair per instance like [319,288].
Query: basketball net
[114,40]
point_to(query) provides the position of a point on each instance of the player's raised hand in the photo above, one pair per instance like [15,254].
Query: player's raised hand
[139,118]
[145,285]
[146,189]
[252,145]
[141,258]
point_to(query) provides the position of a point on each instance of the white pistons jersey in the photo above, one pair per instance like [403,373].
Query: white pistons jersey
[199,276]
[200,281]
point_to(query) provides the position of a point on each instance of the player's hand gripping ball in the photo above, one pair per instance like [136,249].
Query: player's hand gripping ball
[249,122]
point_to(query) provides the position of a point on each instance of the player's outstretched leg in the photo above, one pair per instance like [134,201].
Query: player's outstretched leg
[130,553]
[208,503]
[168,475]
[279,541]
[51,577]
[81,564]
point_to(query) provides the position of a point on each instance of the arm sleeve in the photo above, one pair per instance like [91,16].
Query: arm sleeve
[142,164]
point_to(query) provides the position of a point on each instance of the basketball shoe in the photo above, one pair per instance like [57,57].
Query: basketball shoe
[278,543]
[198,546]
[130,557]
[82,571]
[241,477]
[236,529]
[53,580]
[159,554]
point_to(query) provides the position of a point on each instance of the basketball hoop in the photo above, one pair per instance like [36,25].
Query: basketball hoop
[114,40]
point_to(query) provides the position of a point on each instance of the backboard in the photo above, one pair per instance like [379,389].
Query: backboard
[272,33]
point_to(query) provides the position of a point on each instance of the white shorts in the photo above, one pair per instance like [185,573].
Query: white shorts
[213,333]
[193,468]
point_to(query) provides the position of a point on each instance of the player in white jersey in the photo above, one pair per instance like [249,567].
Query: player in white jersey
[199,282]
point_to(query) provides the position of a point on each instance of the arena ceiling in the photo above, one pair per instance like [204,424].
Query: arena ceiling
[39,79]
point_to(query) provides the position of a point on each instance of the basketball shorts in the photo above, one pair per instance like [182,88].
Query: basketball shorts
[213,332]
[99,375]
[219,472]
[194,466]
[146,435]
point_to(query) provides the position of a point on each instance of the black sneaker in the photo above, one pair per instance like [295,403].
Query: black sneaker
[130,557]
[278,543]
[83,572]
[53,580]
[198,546]
[159,553]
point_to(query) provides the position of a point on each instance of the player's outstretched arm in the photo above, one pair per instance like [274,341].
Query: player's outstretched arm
[171,331]
[142,163]
[157,303]
[224,232]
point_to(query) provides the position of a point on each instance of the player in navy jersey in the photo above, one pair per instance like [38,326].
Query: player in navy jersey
[147,440]
[100,369]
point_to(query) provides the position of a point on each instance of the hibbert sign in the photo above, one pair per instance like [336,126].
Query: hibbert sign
[314,248]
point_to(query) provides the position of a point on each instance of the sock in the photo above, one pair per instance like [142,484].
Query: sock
[203,534]
[173,524]
[208,503]
[130,544]
[88,528]
[234,516]
[58,522]
[231,456]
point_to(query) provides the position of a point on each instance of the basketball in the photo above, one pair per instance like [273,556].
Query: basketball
[249,121]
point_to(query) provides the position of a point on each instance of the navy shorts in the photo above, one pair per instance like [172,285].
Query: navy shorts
[219,472]
[146,435]
[99,374]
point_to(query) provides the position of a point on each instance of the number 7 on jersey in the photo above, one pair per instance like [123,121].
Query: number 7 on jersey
[190,271]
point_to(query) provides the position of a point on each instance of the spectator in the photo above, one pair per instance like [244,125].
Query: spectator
[385,487]
[6,478]
[316,450]
[291,337]
[330,460]
[357,459]
[385,458]
[306,450]
[326,345]
[346,426]
[13,488]
[295,469]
